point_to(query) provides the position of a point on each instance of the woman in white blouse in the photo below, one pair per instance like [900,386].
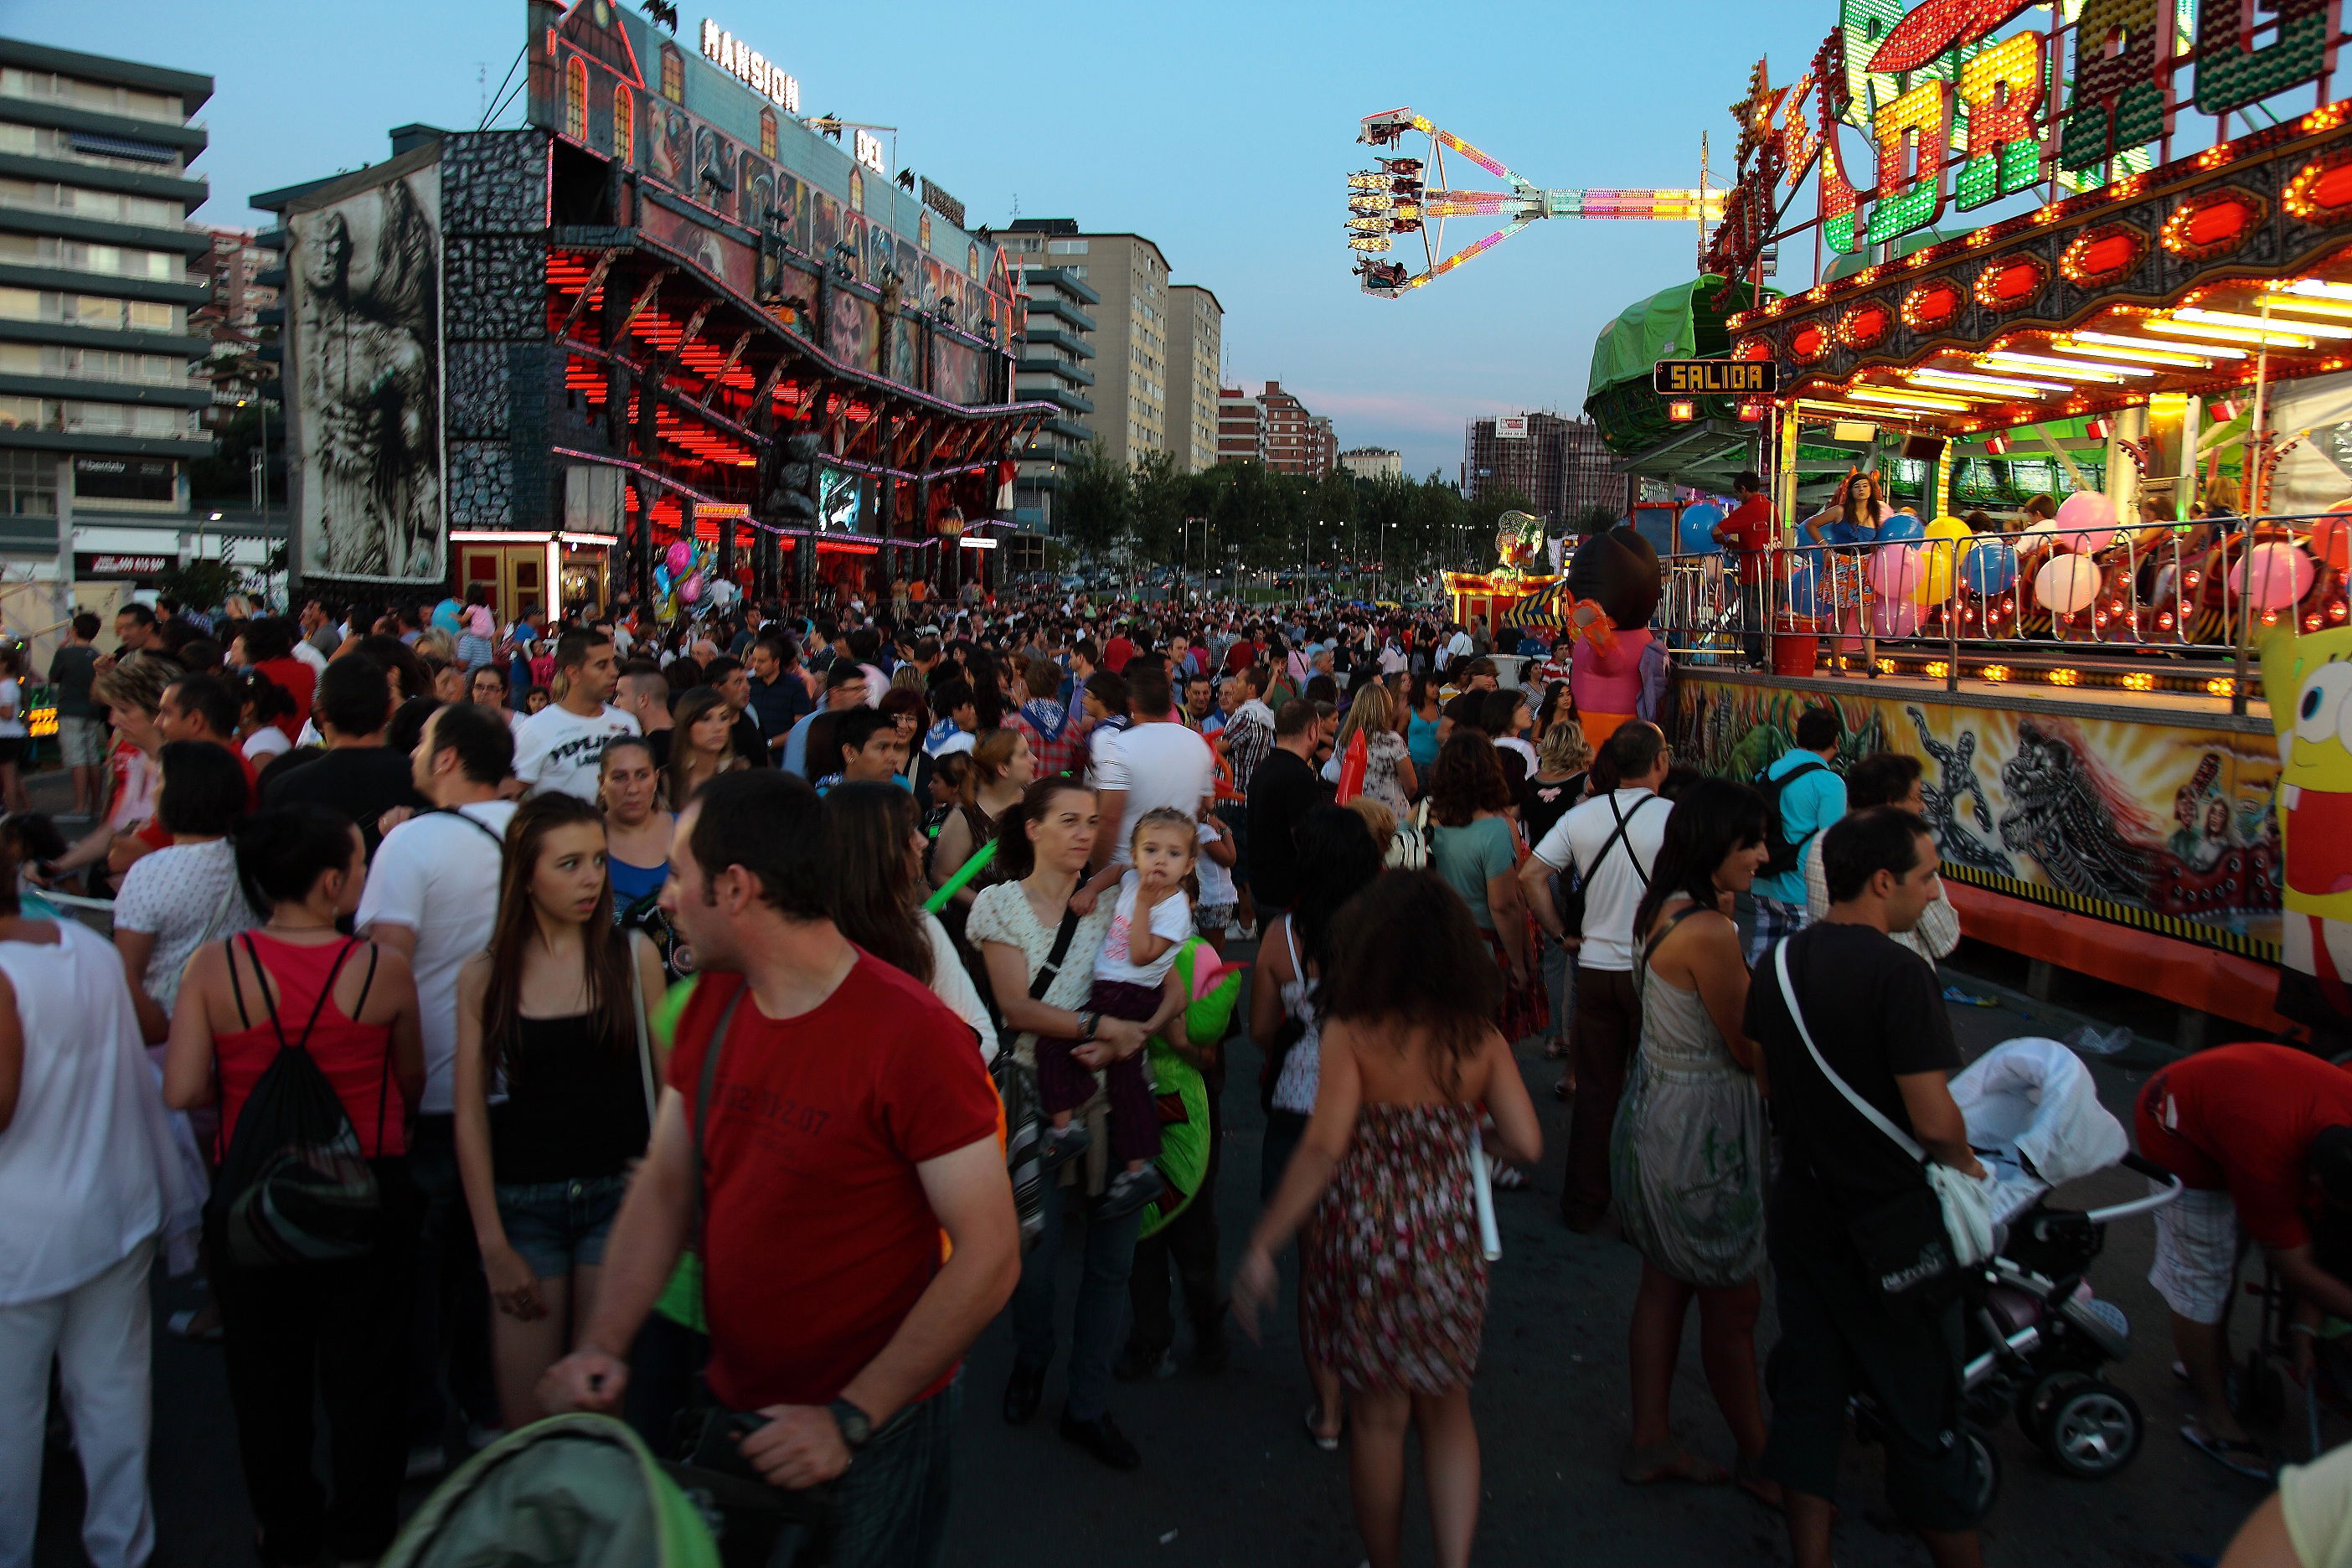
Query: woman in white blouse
[1043,844]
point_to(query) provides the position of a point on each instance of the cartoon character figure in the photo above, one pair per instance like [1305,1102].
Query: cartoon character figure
[2308,679]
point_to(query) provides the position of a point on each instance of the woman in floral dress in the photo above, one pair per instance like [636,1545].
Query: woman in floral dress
[1396,1282]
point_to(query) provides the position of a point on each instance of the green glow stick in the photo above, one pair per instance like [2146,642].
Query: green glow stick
[965,873]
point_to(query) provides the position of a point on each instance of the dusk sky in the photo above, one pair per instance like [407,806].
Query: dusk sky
[1222,130]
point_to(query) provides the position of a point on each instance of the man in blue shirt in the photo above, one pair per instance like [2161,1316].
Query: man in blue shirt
[1813,797]
[780,698]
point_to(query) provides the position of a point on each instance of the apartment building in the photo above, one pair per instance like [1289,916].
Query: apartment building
[1052,361]
[1373,462]
[1297,441]
[1241,426]
[1560,464]
[229,320]
[1196,323]
[99,409]
[1128,277]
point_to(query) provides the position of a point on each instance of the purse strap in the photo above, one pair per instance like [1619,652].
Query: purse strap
[638,1010]
[1870,1112]
[1042,981]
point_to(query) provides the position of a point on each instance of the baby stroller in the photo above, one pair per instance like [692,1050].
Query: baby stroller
[2038,1335]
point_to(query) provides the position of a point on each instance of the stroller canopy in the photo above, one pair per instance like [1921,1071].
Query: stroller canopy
[573,1491]
[2032,1103]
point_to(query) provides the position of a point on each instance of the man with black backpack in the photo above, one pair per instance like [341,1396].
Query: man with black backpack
[1607,846]
[1802,795]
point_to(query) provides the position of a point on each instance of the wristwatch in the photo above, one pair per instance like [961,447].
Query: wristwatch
[855,1427]
[1092,1022]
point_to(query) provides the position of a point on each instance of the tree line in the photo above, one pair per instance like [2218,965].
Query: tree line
[1148,513]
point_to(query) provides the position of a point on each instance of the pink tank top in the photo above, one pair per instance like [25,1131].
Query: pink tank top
[354,1057]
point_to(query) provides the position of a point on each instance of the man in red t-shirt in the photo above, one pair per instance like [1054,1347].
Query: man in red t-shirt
[849,1123]
[2262,1136]
[1749,533]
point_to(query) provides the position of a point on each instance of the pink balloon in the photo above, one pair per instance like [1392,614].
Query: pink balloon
[2280,574]
[1894,571]
[2066,583]
[681,556]
[691,590]
[1894,617]
[2085,511]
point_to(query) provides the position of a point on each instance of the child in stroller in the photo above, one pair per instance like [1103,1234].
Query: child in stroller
[2038,1335]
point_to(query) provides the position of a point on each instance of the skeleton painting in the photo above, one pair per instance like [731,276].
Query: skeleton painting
[367,344]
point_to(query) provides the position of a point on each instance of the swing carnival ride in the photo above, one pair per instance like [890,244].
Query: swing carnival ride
[1409,197]
[2145,310]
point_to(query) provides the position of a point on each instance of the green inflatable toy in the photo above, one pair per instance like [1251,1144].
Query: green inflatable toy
[1182,1096]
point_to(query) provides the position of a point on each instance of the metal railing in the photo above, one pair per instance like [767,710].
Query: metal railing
[2202,594]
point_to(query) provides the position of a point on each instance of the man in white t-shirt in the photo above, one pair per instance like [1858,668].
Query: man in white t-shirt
[559,747]
[431,895]
[1155,761]
[1610,843]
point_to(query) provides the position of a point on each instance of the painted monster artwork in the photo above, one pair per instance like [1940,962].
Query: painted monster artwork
[2163,823]
[365,270]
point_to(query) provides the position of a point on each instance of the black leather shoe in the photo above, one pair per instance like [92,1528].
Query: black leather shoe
[1102,1439]
[1022,1391]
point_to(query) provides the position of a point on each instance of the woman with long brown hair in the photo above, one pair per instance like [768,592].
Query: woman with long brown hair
[878,897]
[1003,767]
[1475,848]
[1388,765]
[701,743]
[1395,1279]
[554,1012]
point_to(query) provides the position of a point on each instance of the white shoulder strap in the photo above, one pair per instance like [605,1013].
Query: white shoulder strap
[1871,1113]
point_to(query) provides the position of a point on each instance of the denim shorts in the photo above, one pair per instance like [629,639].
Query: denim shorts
[560,1225]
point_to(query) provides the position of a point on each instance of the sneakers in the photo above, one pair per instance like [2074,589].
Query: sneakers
[1057,1147]
[1129,1190]
[1136,1363]
[1102,1439]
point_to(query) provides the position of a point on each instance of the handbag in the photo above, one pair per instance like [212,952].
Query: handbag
[1408,849]
[1919,1238]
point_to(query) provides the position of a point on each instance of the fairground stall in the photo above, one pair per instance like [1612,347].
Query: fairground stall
[2149,327]
[671,337]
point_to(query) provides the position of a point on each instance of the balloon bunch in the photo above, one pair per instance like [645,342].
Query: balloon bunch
[680,577]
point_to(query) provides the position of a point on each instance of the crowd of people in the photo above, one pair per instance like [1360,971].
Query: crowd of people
[720,1026]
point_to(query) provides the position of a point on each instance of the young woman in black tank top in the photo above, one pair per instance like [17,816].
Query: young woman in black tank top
[552,1018]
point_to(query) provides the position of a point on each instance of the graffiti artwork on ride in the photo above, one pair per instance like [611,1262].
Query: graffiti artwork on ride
[2136,821]
[364,270]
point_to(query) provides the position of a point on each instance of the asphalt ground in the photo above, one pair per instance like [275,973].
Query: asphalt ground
[1229,1476]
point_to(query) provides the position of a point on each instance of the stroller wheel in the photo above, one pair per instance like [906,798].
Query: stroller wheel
[2033,1410]
[2092,1430]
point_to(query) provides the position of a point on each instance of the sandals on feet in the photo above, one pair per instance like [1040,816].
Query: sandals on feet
[1749,1476]
[1329,1442]
[2240,1455]
[1669,1461]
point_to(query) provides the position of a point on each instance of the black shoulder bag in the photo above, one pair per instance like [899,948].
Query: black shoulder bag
[790,1527]
[1571,903]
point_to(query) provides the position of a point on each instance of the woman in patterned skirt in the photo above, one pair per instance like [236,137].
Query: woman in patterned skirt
[1396,1282]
